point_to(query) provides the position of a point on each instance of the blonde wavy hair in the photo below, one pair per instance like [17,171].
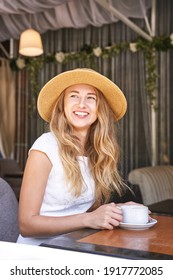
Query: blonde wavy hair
[101,149]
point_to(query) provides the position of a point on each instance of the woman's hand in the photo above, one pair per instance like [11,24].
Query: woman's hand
[128,203]
[106,216]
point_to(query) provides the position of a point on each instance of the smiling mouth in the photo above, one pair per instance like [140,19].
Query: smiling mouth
[81,114]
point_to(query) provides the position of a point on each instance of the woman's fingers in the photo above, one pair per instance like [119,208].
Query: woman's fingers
[106,216]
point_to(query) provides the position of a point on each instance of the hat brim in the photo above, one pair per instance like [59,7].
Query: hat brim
[52,89]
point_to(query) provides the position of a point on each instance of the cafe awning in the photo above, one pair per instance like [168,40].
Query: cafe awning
[18,15]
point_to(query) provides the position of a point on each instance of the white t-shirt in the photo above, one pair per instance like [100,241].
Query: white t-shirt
[58,199]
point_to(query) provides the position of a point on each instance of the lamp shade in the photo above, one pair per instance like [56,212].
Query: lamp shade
[30,43]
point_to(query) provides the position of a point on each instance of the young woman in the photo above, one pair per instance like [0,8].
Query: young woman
[72,170]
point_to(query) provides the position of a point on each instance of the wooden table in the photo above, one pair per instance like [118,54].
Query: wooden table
[153,243]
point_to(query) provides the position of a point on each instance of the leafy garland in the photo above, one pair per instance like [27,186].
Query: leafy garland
[88,53]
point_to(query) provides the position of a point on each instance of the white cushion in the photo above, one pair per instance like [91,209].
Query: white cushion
[155,183]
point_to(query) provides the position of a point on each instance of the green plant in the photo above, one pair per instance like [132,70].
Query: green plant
[89,53]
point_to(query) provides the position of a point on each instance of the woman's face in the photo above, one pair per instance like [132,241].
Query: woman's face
[80,106]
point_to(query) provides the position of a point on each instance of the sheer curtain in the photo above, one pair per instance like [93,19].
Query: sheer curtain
[7,109]
[45,15]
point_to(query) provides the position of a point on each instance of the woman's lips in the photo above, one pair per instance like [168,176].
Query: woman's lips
[81,114]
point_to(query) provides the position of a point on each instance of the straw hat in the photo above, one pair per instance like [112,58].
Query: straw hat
[52,89]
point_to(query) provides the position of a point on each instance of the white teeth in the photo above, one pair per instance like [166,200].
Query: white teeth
[81,113]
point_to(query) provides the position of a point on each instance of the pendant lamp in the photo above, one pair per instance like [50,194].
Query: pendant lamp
[30,43]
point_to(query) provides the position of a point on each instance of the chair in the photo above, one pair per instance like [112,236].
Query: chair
[9,230]
[155,183]
[11,172]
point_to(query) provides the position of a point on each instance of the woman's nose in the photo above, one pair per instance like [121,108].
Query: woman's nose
[82,102]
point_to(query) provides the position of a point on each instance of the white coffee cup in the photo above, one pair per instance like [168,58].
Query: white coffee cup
[135,214]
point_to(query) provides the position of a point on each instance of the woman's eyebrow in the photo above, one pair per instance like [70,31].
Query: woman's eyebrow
[76,91]
[71,92]
[92,93]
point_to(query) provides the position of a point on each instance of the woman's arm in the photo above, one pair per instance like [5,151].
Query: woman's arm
[31,223]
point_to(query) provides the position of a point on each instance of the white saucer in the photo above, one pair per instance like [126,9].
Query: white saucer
[138,227]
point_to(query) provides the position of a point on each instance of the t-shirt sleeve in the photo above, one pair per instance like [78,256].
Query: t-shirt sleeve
[47,144]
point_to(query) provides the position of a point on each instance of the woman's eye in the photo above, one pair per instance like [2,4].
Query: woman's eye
[92,97]
[74,95]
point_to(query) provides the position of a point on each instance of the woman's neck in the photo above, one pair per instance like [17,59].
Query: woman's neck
[81,134]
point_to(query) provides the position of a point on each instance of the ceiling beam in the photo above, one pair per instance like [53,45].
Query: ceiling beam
[124,19]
